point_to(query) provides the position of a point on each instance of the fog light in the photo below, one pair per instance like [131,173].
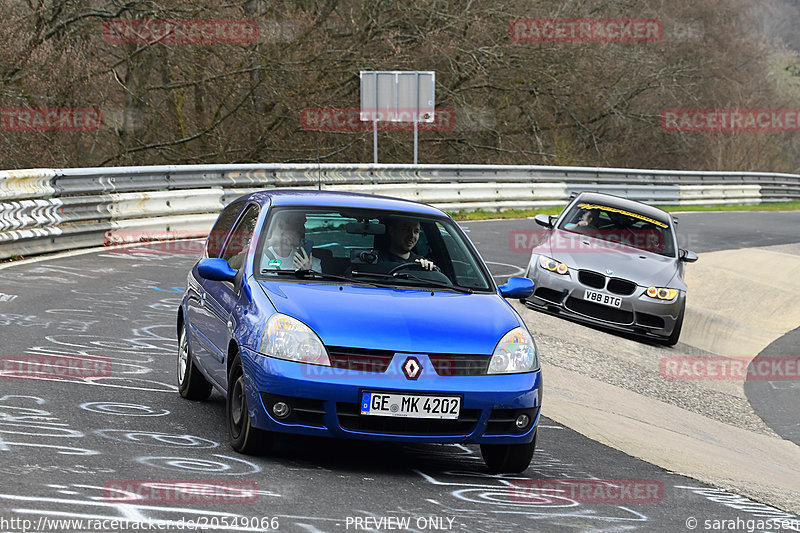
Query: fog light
[281,409]
[522,421]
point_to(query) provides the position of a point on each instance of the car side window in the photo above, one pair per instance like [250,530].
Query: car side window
[463,268]
[221,228]
[239,241]
[423,246]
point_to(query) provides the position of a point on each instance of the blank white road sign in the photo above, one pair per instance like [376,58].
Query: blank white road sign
[397,96]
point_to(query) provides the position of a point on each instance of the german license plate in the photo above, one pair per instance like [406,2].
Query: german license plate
[604,299]
[410,405]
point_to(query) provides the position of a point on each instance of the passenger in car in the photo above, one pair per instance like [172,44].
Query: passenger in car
[403,236]
[282,249]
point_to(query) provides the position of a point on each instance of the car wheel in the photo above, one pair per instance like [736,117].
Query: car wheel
[508,458]
[244,437]
[672,340]
[192,384]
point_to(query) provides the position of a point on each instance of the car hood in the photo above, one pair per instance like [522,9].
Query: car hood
[396,319]
[587,253]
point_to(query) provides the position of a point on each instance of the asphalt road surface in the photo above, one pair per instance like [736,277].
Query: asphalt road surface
[79,448]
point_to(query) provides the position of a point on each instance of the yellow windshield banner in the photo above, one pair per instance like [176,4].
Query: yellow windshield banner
[623,212]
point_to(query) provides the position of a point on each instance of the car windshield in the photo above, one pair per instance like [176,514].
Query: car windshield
[368,246]
[623,226]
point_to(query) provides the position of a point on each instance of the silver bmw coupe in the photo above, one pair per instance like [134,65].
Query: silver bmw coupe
[614,263]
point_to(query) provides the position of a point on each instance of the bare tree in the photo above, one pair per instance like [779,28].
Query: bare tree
[576,103]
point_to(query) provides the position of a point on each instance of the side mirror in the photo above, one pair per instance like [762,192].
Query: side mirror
[687,256]
[544,220]
[216,269]
[516,287]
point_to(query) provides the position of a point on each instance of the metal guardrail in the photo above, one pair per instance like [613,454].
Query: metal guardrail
[47,210]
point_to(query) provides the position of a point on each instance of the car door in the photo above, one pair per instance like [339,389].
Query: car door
[199,317]
[222,296]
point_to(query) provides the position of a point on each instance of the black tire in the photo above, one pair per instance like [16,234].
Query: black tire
[192,384]
[244,437]
[508,458]
[672,340]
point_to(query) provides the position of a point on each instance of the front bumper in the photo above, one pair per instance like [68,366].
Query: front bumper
[564,295]
[326,401]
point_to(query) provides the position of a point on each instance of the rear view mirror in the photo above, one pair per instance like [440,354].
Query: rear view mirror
[365,228]
[687,256]
[544,220]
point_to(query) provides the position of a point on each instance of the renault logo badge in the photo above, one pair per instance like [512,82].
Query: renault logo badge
[412,368]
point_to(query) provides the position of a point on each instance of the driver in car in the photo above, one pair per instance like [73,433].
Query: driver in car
[403,236]
[588,221]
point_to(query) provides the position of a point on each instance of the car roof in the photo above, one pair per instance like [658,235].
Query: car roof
[293,197]
[623,203]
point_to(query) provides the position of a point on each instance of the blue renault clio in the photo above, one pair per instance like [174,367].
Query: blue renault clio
[357,316]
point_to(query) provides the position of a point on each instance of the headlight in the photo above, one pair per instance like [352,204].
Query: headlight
[552,265]
[516,352]
[661,293]
[287,338]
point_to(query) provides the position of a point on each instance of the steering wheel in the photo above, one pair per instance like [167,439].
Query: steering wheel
[411,265]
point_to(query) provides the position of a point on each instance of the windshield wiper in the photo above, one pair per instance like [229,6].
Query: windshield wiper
[302,273]
[407,276]
[308,274]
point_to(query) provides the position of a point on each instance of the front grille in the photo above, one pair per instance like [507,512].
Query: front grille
[549,295]
[501,421]
[621,286]
[350,418]
[650,320]
[592,279]
[460,365]
[359,359]
[304,412]
[599,311]
[378,361]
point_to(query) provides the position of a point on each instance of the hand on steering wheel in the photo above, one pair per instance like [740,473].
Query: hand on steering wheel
[419,264]
[410,265]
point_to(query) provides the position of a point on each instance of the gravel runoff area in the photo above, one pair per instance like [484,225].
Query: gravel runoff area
[606,361]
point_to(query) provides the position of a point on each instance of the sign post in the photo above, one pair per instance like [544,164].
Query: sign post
[397,96]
